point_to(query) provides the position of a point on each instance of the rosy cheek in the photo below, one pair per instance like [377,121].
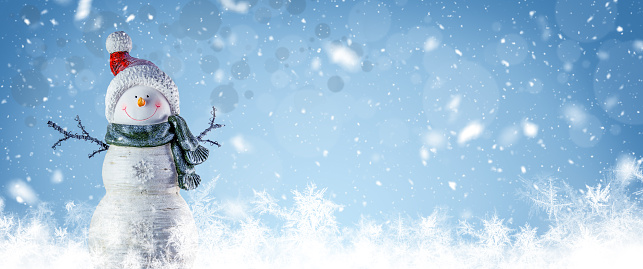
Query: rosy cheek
[158,104]
[124,106]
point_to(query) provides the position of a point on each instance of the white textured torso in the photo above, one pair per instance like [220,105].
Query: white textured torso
[142,222]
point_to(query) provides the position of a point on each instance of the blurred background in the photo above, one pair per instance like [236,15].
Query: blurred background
[394,107]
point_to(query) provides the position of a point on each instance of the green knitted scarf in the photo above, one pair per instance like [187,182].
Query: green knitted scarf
[185,147]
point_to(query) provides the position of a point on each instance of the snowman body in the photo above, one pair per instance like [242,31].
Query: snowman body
[142,222]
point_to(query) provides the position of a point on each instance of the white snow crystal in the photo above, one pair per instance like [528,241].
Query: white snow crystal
[343,56]
[470,132]
[454,104]
[597,196]
[628,169]
[236,6]
[144,171]
[529,129]
[22,192]
[240,144]
[84,7]
[70,206]
[57,177]
[546,195]
[424,153]
[431,43]
[452,185]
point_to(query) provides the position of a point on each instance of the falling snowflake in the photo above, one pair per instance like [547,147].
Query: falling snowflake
[312,213]
[546,195]
[70,206]
[144,171]
[60,233]
[597,197]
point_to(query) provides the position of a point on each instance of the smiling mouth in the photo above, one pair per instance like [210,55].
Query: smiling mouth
[157,108]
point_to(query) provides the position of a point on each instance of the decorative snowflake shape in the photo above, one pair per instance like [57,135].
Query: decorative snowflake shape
[144,171]
[597,197]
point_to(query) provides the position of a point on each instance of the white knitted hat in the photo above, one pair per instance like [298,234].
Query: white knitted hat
[130,72]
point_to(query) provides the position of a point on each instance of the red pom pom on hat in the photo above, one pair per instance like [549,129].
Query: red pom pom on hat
[118,45]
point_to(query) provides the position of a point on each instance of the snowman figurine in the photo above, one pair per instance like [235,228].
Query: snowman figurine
[143,222]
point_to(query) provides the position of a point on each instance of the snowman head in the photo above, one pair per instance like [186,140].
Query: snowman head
[141,105]
[140,93]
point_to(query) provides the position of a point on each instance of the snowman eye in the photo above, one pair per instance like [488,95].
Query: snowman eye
[148,96]
[135,96]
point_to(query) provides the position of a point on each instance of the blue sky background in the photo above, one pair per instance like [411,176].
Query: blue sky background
[395,107]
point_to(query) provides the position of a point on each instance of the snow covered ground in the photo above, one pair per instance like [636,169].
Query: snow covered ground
[599,227]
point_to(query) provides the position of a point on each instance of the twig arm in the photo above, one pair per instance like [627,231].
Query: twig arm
[211,127]
[85,136]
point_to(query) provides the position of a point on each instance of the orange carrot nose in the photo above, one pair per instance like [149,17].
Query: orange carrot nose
[141,102]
